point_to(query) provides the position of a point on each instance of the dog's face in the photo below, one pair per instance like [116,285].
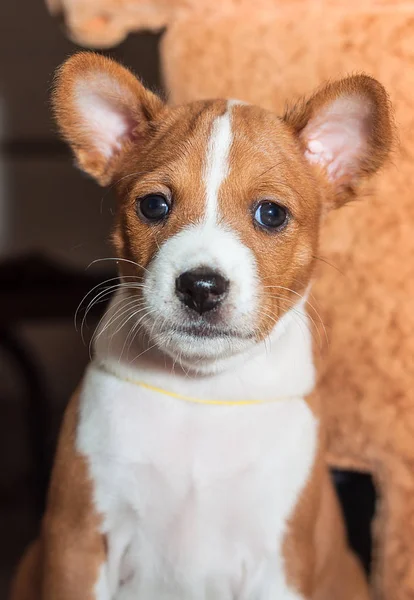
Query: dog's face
[225,219]
[220,203]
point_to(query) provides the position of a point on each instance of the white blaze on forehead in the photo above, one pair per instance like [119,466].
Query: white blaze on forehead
[217,162]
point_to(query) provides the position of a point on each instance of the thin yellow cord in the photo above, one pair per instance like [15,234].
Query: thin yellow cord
[153,388]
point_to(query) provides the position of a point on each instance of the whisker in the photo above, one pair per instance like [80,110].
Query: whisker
[110,188]
[308,290]
[100,296]
[114,286]
[133,315]
[141,322]
[291,306]
[136,329]
[125,300]
[120,313]
[113,318]
[99,325]
[155,238]
[280,287]
[143,352]
[86,295]
[311,330]
[280,162]
[117,259]
[132,309]
[103,294]
[126,176]
[324,260]
[295,314]
[130,336]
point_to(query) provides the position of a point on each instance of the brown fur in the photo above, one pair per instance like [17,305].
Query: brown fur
[319,561]
[63,564]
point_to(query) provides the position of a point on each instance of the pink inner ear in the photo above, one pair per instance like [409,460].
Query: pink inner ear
[337,137]
[104,117]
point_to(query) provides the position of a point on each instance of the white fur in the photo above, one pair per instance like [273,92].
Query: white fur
[102,588]
[201,245]
[217,163]
[196,499]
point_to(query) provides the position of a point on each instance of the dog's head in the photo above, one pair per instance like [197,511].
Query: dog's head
[220,203]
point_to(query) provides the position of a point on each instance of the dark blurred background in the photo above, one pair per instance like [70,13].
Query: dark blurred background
[53,223]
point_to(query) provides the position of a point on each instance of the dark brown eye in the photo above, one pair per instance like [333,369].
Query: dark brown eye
[154,207]
[271,215]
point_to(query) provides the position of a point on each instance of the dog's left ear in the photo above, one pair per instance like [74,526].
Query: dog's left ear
[346,130]
[101,109]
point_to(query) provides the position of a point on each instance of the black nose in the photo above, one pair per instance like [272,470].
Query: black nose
[201,289]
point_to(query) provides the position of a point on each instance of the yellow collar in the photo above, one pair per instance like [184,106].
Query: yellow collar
[211,402]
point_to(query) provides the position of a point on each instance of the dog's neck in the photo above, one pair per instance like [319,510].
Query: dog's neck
[280,366]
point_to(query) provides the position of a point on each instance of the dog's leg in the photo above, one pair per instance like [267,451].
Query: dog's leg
[339,576]
[74,550]
[27,581]
[74,567]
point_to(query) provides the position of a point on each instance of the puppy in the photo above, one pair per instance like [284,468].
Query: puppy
[190,464]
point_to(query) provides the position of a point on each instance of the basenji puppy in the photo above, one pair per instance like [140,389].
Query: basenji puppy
[190,464]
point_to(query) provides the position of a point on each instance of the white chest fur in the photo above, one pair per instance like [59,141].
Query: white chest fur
[195,499]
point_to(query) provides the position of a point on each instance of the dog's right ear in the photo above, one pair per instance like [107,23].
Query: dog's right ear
[101,109]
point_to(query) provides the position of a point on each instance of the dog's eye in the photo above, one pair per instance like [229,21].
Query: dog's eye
[271,215]
[154,207]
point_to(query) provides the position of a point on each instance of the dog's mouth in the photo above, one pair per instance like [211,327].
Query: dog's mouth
[204,331]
